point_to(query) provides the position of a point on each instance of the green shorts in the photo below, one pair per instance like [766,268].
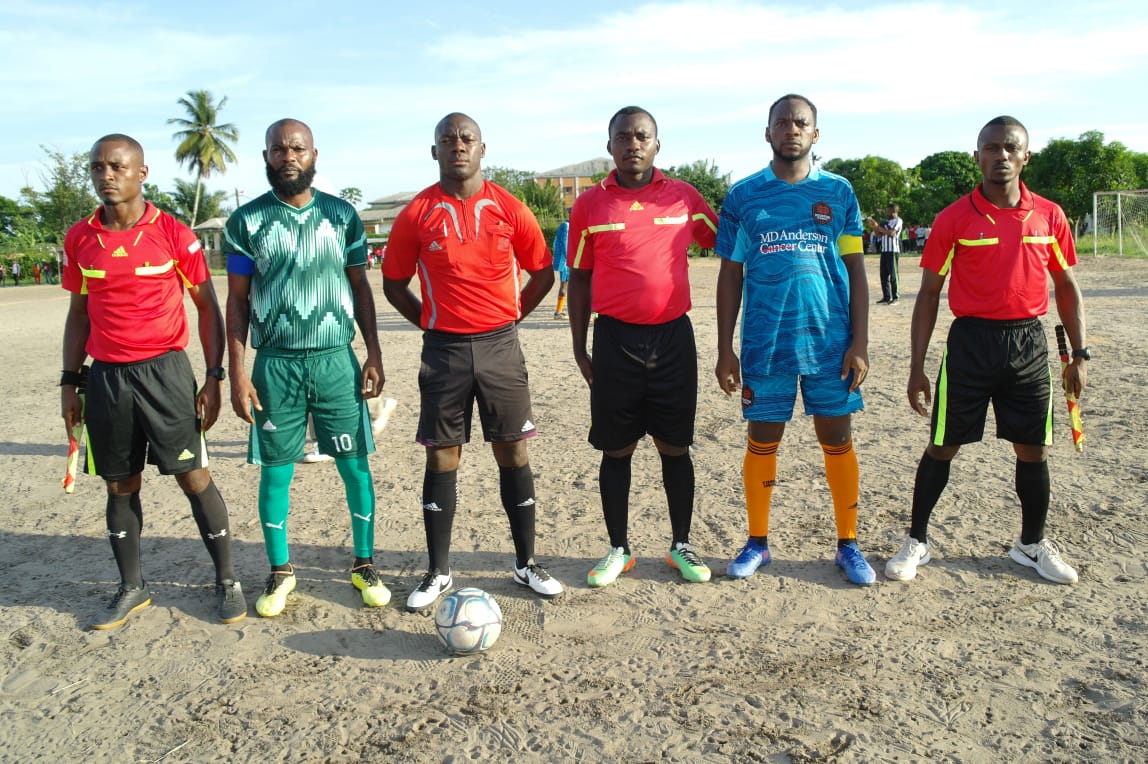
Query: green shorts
[294,383]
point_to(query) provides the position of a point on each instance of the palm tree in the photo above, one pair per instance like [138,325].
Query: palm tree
[203,145]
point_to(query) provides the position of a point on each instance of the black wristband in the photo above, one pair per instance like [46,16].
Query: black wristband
[73,378]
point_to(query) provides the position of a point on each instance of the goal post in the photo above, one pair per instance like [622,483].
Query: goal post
[1120,223]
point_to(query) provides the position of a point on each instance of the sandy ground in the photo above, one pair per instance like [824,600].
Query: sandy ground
[978,659]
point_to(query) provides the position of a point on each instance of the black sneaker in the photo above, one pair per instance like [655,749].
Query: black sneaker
[229,601]
[123,605]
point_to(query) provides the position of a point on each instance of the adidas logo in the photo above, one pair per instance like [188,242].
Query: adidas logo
[528,503]
[434,247]
[214,536]
[120,252]
[636,207]
[528,426]
[432,507]
[762,215]
[183,457]
[269,427]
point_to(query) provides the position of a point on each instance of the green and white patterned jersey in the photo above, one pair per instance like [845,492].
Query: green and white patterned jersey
[300,295]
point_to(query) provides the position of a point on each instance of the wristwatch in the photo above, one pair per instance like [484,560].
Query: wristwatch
[1084,353]
[217,372]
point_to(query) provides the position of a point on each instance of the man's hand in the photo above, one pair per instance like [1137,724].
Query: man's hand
[208,403]
[728,372]
[920,396]
[373,377]
[586,366]
[71,408]
[856,360]
[244,397]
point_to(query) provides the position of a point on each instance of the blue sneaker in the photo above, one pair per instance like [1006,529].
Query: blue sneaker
[857,570]
[751,557]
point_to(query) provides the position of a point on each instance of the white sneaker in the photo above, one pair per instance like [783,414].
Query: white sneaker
[384,416]
[536,577]
[314,456]
[434,584]
[1045,558]
[903,565]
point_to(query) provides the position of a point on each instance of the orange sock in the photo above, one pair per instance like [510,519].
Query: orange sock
[759,474]
[561,303]
[844,484]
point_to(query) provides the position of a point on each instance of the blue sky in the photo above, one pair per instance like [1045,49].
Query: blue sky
[896,79]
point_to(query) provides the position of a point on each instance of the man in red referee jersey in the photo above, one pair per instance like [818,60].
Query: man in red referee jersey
[997,244]
[127,266]
[629,263]
[469,241]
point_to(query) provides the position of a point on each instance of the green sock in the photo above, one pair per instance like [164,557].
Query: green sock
[360,490]
[274,485]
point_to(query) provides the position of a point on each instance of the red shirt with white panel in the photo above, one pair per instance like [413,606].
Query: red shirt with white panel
[469,256]
[636,241]
[134,281]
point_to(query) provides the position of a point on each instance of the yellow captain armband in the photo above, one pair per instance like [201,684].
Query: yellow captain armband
[850,245]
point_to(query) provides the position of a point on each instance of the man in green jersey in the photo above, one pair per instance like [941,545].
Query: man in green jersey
[297,282]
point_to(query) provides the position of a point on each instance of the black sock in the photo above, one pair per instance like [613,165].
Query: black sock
[440,499]
[125,524]
[516,487]
[614,485]
[932,477]
[210,515]
[678,479]
[1032,488]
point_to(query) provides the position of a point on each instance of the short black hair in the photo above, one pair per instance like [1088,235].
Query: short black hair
[1006,121]
[793,97]
[121,138]
[629,111]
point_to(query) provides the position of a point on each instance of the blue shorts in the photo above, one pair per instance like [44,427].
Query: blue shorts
[771,398]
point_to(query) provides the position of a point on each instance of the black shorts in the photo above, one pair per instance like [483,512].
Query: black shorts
[143,412]
[645,381]
[1002,361]
[459,369]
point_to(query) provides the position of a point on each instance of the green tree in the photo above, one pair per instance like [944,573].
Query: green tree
[706,178]
[941,179]
[352,195]
[545,200]
[67,195]
[212,204]
[161,199]
[204,146]
[876,181]
[506,177]
[1069,171]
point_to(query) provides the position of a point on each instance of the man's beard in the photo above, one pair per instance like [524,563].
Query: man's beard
[286,187]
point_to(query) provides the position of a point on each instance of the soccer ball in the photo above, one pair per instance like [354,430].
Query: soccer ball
[468,621]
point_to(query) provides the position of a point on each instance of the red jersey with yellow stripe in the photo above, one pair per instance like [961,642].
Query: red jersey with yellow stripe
[998,258]
[134,281]
[636,242]
[469,255]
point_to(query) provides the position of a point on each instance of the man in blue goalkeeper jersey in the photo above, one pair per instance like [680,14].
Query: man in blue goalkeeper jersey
[790,241]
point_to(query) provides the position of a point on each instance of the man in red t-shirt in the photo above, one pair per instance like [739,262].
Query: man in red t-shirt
[629,263]
[127,266]
[469,241]
[997,243]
